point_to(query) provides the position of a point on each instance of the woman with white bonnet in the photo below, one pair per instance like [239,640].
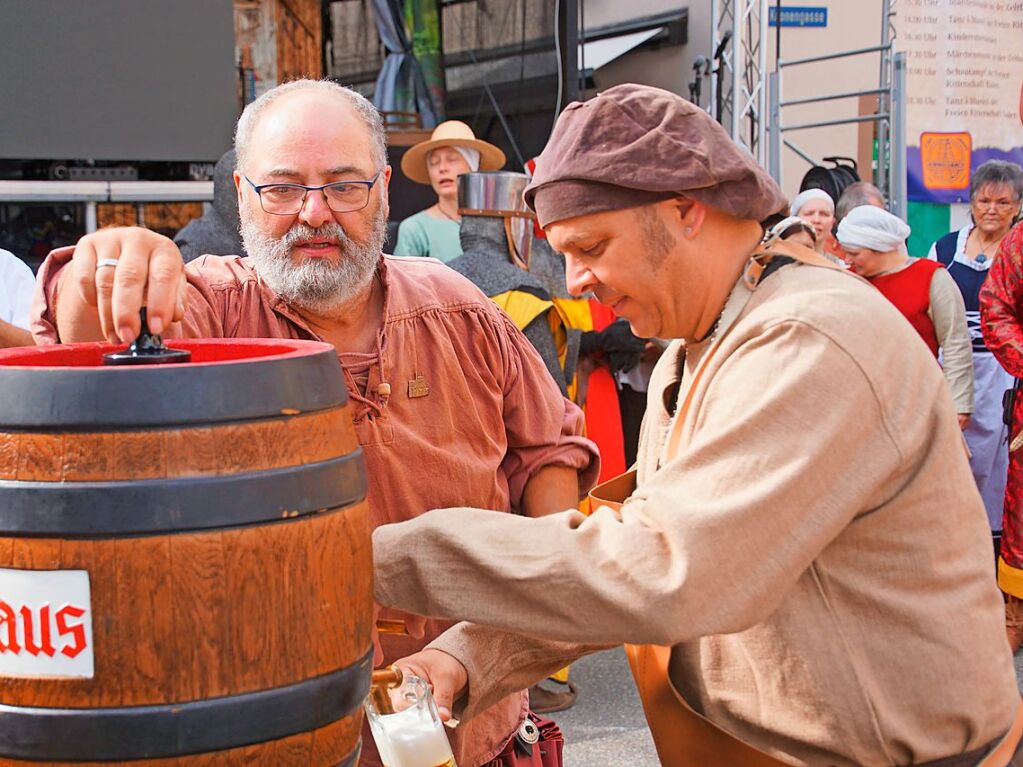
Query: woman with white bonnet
[816,207]
[452,150]
[875,243]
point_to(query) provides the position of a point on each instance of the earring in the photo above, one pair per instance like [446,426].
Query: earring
[689,231]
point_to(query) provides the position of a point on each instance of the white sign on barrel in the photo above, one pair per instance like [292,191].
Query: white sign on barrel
[45,623]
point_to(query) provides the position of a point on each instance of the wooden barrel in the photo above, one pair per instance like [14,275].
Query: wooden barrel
[185,561]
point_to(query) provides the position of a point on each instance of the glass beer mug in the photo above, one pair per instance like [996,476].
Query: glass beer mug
[404,721]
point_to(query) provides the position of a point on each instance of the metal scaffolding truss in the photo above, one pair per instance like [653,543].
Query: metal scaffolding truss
[889,173]
[746,97]
[738,95]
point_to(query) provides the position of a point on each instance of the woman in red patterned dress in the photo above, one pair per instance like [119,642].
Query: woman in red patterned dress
[1001,313]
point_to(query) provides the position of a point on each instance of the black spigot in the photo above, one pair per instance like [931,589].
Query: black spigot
[147,349]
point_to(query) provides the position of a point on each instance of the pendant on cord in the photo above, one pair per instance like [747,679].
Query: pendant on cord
[417,387]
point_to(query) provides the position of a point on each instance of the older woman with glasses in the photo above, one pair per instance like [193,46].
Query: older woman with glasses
[995,192]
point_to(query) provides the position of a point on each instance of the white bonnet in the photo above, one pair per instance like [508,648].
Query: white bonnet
[810,194]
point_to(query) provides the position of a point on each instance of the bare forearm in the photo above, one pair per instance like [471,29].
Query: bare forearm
[12,335]
[550,490]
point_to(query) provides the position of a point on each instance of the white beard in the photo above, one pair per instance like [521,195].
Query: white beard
[321,286]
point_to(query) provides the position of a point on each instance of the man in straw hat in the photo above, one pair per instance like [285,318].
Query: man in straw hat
[452,150]
[777,564]
[448,398]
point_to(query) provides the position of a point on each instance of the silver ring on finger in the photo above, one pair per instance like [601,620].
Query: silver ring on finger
[106,262]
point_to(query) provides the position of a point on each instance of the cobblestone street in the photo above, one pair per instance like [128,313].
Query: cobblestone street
[605,727]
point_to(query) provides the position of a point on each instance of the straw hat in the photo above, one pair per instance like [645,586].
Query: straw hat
[450,133]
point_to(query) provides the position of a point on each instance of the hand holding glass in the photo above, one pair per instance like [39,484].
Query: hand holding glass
[406,726]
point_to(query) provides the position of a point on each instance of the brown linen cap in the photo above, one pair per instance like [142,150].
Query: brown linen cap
[632,145]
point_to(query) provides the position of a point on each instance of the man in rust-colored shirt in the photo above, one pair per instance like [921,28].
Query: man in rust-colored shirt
[452,406]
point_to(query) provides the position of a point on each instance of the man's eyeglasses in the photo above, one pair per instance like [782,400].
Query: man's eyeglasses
[983,204]
[288,199]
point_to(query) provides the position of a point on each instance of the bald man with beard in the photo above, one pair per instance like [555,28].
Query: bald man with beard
[451,403]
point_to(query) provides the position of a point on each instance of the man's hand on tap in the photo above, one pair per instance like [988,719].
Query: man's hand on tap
[114,273]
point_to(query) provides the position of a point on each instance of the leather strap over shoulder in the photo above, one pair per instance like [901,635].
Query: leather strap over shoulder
[766,253]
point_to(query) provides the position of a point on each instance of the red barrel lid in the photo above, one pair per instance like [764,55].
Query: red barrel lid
[67,386]
[204,351]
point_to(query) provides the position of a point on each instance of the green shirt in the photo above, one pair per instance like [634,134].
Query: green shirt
[424,235]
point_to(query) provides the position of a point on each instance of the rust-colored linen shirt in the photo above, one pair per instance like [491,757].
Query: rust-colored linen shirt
[491,419]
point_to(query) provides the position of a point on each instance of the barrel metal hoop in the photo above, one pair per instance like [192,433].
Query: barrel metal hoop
[181,729]
[185,504]
[93,399]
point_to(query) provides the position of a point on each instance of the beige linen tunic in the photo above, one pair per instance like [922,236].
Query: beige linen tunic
[493,416]
[816,552]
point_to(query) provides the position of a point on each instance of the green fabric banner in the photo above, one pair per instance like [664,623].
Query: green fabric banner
[929,221]
[422,20]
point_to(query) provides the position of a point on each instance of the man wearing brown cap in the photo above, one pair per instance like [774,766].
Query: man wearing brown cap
[815,568]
